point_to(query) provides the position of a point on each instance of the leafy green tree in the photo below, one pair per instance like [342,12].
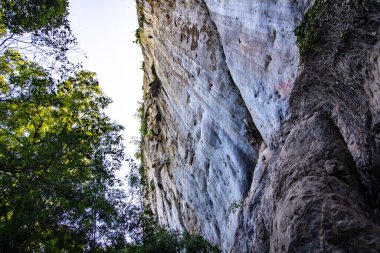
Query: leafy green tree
[40,30]
[58,157]
[47,124]
[22,16]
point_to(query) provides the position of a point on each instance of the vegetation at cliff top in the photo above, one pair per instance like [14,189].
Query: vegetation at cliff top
[308,32]
[313,31]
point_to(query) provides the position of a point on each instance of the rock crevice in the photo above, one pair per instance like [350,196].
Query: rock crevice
[251,145]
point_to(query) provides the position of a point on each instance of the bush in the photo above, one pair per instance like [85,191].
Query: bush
[308,31]
[164,240]
[137,36]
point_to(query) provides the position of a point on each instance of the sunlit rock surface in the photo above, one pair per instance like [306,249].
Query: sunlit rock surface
[238,149]
[261,54]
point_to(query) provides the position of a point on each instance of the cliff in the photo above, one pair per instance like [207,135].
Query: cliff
[258,139]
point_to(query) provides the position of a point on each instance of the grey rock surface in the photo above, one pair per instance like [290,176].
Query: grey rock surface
[250,148]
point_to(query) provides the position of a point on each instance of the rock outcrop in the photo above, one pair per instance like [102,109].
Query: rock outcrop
[248,143]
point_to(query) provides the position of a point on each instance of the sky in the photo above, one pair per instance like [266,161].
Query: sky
[105,31]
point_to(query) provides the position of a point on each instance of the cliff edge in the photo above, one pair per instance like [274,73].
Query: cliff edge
[262,122]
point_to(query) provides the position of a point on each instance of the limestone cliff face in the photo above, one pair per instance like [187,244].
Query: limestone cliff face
[247,146]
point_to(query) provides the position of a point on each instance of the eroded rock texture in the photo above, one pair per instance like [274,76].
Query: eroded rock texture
[247,146]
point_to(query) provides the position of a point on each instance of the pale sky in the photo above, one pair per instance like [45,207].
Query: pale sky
[105,30]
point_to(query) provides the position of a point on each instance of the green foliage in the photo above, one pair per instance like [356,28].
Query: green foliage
[196,243]
[151,133]
[137,36]
[235,205]
[154,73]
[143,124]
[58,150]
[308,32]
[22,16]
[169,241]
[143,128]
[58,157]
[161,240]
[44,118]
[39,29]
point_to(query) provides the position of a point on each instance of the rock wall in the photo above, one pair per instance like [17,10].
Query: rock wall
[247,146]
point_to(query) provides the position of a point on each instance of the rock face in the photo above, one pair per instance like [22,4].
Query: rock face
[247,146]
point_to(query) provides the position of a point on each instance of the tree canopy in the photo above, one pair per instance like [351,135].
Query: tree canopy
[23,16]
[40,29]
[58,157]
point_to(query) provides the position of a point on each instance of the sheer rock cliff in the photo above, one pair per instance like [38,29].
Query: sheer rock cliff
[248,143]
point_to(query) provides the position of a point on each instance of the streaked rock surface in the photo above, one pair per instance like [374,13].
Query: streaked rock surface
[239,147]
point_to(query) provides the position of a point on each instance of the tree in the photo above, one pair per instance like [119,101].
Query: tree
[40,30]
[58,157]
[23,16]
[58,150]
[47,124]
